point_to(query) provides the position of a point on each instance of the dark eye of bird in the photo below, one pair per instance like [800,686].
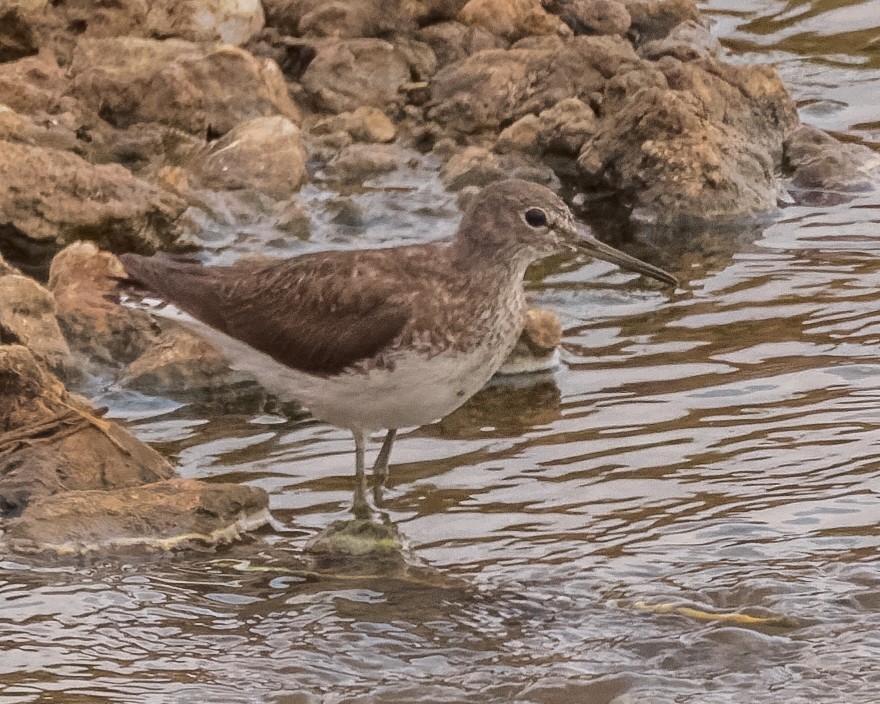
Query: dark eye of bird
[536,217]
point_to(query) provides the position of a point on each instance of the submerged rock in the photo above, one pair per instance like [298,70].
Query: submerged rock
[358,162]
[172,514]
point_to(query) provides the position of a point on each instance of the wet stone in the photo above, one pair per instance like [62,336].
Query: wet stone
[178,513]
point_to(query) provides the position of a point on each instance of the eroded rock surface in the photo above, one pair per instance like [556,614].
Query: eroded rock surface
[56,197]
[177,513]
[52,441]
[177,83]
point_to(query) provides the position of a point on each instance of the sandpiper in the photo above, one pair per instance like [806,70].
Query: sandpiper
[382,338]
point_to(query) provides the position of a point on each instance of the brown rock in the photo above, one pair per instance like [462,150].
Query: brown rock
[227,21]
[27,317]
[51,441]
[81,280]
[49,132]
[493,88]
[536,348]
[596,17]
[454,41]
[358,162]
[179,363]
[17,38]
[56,197]
[58,26]
[345,75]
[652,19]
[178,513]
[687,41]
[706,146]
[341,18]
[34,85]
[265,154]
[821,162]
[562,129]
[177,83]
[473,166]
[365,124]
[510,19]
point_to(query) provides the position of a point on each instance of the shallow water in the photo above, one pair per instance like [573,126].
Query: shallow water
[718,449]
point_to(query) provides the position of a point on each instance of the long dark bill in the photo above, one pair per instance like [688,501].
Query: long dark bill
[600,250]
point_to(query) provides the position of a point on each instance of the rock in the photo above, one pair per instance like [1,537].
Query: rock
[365,124]
[357,537]
[473,166]
[524,135]
[51,133]
[347,74]
[685,42]
[227,21]
[58,26]
[17,39]
[177,83]
[51,441]
[454,41]
[561,129]
[7,268]
[342,18]
[172,514]
[820,162]
[706,146]
[265,154]
[359,162]
[538,346]
[55,197]
[596,17]
[27,317]
[493,88]
[82,283]
[419,56]
[652,19]
[180,363]
[35,85]
[510,19]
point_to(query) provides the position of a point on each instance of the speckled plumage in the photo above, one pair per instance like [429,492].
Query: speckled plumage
[380,338]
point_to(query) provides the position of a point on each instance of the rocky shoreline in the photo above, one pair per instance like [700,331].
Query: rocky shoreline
[136,126]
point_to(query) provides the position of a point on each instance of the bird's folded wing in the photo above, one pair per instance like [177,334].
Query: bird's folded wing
[291,311]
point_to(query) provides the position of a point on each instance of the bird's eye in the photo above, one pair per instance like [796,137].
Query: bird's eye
[536,217]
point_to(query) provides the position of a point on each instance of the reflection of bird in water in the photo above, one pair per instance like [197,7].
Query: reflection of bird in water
[382,338]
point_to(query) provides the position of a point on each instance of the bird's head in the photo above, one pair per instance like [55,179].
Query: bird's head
[524,221]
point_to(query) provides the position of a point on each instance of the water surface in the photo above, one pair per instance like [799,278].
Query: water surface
[717,449]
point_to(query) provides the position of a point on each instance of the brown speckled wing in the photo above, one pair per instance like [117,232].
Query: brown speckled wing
[304,313]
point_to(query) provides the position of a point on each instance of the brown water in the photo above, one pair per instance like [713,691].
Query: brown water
[717,449]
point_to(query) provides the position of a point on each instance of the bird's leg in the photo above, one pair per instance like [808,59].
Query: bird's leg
[360,508]
[380,467]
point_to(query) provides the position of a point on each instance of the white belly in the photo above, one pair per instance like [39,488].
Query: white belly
[417,391]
